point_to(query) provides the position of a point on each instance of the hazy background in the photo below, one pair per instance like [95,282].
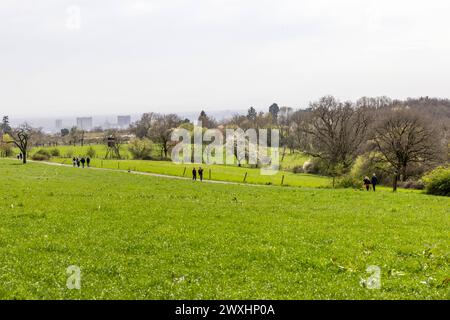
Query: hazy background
[127,57]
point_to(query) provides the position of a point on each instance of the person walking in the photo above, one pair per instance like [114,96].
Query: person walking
[88,162]
[194,174]
[200,173]
[74,162]
[367,183]
[83,161]
[374,181]
[78,162]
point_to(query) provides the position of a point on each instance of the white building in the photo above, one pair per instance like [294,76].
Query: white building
[84,123]
[58,124]
[123,121]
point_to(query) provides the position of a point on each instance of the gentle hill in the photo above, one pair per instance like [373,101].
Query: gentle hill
[147,238]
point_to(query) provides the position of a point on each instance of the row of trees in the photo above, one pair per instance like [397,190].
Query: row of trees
[399,138]
[393,136]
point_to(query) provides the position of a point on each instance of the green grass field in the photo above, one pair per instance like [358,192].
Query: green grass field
[142,237]
[290,160]
[231,173]
[100,150]
[218,172]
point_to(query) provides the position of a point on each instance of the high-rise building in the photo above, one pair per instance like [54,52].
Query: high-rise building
[58,125]
[84,123]
[123,121]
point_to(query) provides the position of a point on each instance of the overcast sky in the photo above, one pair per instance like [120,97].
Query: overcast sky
[130,56]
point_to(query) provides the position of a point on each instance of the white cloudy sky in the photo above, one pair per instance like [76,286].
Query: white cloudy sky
[183,55]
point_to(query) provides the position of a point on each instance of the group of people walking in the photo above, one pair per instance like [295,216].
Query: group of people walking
[81,162]
[199,172]
[370,182]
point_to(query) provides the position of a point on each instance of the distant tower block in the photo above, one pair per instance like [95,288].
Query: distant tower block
[123,121]
[58,125]
[84,123]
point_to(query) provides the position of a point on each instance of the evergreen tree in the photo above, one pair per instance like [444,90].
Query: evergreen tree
[252,114]
[274,109]
[4,126]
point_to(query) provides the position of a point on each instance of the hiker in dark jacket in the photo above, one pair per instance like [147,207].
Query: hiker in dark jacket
[78,162]
[74,162]
[194,174]
[374,181]
[200,173]
[88,161]
[83,161]
[367,183]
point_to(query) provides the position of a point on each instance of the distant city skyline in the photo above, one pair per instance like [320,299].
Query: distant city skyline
[54,124]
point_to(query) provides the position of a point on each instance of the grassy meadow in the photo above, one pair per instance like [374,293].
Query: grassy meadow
[231,173]
[143,237]
[288,162]
[218,172]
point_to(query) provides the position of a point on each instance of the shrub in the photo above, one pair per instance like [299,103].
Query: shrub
[365,166]
[298,169]
[91,152]
[316,166]
[412,184]
[348,181]
[55,152]
[69,153]
[41,155]
[310,166]
[141,149]
[6,150]
[437,182]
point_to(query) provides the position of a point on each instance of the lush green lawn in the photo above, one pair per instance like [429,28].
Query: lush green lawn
[290,161]
[231,173]
[154,238]
[218,172]
[70,151]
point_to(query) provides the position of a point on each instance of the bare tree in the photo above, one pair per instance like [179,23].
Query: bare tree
[76,135]
[336,131]
[298,137]
[161,130]
[284,120]
[403,137]
[21,137]
[141,128]
[207,121]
